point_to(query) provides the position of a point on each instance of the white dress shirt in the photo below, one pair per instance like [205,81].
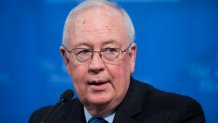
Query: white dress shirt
[108,118]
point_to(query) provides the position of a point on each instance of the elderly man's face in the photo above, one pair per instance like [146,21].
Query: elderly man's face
[96,82]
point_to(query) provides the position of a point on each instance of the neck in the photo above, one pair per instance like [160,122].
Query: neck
[100,110]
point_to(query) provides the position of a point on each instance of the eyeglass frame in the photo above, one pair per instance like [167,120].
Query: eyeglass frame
[99,52]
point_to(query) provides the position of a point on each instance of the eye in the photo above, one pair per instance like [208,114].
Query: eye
[110,50]
[83,51]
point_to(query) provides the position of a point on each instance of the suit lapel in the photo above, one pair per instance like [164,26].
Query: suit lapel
[131,105]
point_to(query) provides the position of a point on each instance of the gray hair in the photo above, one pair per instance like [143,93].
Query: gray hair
[97,3]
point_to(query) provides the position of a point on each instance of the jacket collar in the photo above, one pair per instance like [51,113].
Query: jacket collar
[131,105]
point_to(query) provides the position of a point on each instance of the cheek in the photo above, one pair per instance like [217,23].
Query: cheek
[121,75]
[125,67]
[77,71]
[122,69]
[78,74]
[117,71]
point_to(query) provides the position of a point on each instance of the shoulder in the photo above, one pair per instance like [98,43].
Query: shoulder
[174,107]
[160,96]
[151,94]
[38,115]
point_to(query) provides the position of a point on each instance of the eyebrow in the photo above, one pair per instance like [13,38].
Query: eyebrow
[111,41]
[82,44]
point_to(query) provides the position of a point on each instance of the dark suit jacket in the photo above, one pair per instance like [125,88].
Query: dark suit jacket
[142,104]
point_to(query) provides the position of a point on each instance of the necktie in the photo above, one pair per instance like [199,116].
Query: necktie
[97,120]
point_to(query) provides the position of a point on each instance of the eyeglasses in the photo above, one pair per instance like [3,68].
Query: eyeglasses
[108,55]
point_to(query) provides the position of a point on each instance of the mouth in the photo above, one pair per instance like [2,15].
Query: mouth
[98,85]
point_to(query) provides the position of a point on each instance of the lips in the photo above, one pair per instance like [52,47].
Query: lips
[98,84]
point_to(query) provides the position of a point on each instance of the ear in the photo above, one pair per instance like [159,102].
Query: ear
[64,55]
[132,56]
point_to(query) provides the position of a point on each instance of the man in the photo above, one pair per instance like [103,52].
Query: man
[99,53]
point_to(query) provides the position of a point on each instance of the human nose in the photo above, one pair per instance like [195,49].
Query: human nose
[96,64]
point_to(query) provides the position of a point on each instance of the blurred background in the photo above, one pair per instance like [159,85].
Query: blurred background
[177,51]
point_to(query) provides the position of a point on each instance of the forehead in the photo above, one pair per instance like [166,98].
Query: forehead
[104,12]
[98,22]
[99,18]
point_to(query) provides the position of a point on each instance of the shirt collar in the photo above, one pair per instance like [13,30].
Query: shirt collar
[108,118]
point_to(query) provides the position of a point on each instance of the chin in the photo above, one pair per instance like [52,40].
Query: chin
[100,100]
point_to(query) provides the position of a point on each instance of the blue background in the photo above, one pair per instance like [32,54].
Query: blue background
[177,51]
